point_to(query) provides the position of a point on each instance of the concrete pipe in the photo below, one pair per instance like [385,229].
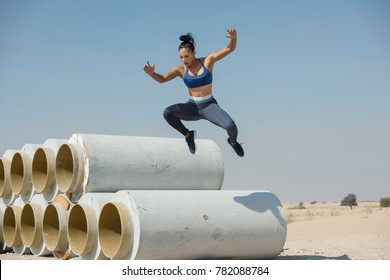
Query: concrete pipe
[43,168]
[31,225]
[83,226]
[3,247]
[6,193]
[55,227]
[106,163]
[192,225]
[11,227]
[21,164]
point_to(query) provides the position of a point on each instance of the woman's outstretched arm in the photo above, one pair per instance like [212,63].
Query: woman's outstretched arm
[231,46]
[171,74]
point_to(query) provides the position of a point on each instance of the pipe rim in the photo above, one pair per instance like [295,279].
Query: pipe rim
[28,225]
[17,172]
[69,173]
[10,227]
[51,227]
[78,230]
[115,234]
[42,175]
[4,179]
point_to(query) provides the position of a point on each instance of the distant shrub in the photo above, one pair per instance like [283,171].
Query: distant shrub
[299,206]
[384,202]
[313,202]
[349,200]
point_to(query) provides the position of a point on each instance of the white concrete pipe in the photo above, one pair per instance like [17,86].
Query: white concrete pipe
[192,225]
[83,226]
[3,247]
[55,227]
[43,168]
[21,165]
[11,227]
[6,193]
[31,225]
[107,163]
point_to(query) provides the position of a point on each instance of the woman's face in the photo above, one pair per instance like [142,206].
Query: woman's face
[187,56]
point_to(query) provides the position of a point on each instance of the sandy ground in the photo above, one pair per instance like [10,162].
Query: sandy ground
[324,231]
[329,231]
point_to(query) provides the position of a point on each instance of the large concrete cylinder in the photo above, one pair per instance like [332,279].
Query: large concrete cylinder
[31,225]
[106,163]
[55,227]
[43,168]
[21,165]
[3,246]
[6,192]
[192,225]
[83,226]
[11,227]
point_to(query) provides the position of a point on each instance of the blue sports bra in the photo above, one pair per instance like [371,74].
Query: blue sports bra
[203,79]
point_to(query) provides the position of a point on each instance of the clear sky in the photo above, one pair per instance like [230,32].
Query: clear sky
[308,85]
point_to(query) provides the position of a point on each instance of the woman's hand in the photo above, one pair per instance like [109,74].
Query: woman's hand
[148,68]
[232,33]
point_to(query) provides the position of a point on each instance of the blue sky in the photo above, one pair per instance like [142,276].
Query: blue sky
[308,85]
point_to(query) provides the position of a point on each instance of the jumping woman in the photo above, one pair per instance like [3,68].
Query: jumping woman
[198,77]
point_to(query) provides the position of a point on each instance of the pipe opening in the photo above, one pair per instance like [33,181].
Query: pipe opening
[51,227]
[40,170]
[17,173]
[110,230]
[78,229]
[28,228]
[9,227]
[2,179]
[65,168]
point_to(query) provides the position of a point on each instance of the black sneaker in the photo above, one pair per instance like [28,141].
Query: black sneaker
[237,148]
[191,141]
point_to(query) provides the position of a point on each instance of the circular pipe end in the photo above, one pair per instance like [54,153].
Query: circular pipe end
[5,187]
[115,230]
[28,225]
[69,168]
[11,231]
[54,227]
[17,173]
[82,229]
[51,227]
[43,176]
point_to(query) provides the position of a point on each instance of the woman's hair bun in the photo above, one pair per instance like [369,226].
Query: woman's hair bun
[187,38]
[188,42]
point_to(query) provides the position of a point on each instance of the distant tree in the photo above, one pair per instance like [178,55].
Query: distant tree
[349,200]
[384,202]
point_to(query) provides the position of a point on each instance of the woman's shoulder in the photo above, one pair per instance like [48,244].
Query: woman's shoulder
[179,69]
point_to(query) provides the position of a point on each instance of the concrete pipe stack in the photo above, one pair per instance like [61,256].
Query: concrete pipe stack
[126,197]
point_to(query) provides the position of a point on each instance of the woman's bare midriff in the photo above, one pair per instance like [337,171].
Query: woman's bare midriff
[201,91]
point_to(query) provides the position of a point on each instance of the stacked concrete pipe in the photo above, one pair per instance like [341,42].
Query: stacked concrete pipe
[83,226]
[6,192]
[11,227]
[31,225]
[55,227]
[21,170]
[3,246]
[192,225]
[127,197]
[43,168]
[106,163]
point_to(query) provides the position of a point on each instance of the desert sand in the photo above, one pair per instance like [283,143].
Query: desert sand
[324,231]
[330,231]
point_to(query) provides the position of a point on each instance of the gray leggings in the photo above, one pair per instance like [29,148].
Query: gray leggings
[191,111]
